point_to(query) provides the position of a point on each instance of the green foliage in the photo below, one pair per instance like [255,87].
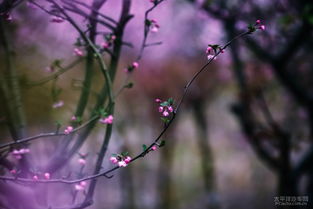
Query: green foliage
[144,147]
[162,143]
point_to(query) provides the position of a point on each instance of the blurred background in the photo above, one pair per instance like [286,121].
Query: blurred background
[244,133]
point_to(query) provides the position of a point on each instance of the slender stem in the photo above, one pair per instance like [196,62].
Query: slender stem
[45,135]
[148,149]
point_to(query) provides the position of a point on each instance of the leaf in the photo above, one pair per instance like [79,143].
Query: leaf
[129,85]
[56,63]
[162,143]
[144,147]
[164,104]
[124,154]
[165,120]
[170,101]
[147,22]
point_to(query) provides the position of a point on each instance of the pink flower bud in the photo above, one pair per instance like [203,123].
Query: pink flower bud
[122,164]
[153,148]
[82,161]
[208,50]
[73,118]
[35,177]
[79,187]
[170,108]
[262,27]
[15,152]
[56,19]
[78,52]
[127,159]
[13,171]
[113,37]
[83,183]
[113,160]
[135,65]
[257,22]
[107,120]
[165,113]
[161,109]
[154,29]
[68,130]
[47,176]
[210,56]
[105,45]
[158,100]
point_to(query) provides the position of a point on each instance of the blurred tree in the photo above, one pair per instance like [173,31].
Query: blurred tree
[286,48]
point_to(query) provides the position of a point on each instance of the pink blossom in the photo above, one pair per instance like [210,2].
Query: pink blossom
[58,104]
[13,171]
[105,45]
[122,164]
[161,109]
[15,152]
[83,183]
[257,22]
[154,26]
[78,52]
[107,120]
[127,159]
[135,65]
[56,19]
[208,50]
[24,151]
[8,17]
[165,113]
[68,129]
[82,161]
[153,148]
[113,160]
[113,37]
[210,56]
[158,100]
[73,118]
[35,177]
[170,108]
[81,186]
[47,176]
[262,27]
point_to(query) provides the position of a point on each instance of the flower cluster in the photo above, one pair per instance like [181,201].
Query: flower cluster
[212,50]
[68,129]
[131,67]
[81,186]
[107,120]
[165,107]
[153,25]
[19,153]
[109,39]
[121,160]
[259,25]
